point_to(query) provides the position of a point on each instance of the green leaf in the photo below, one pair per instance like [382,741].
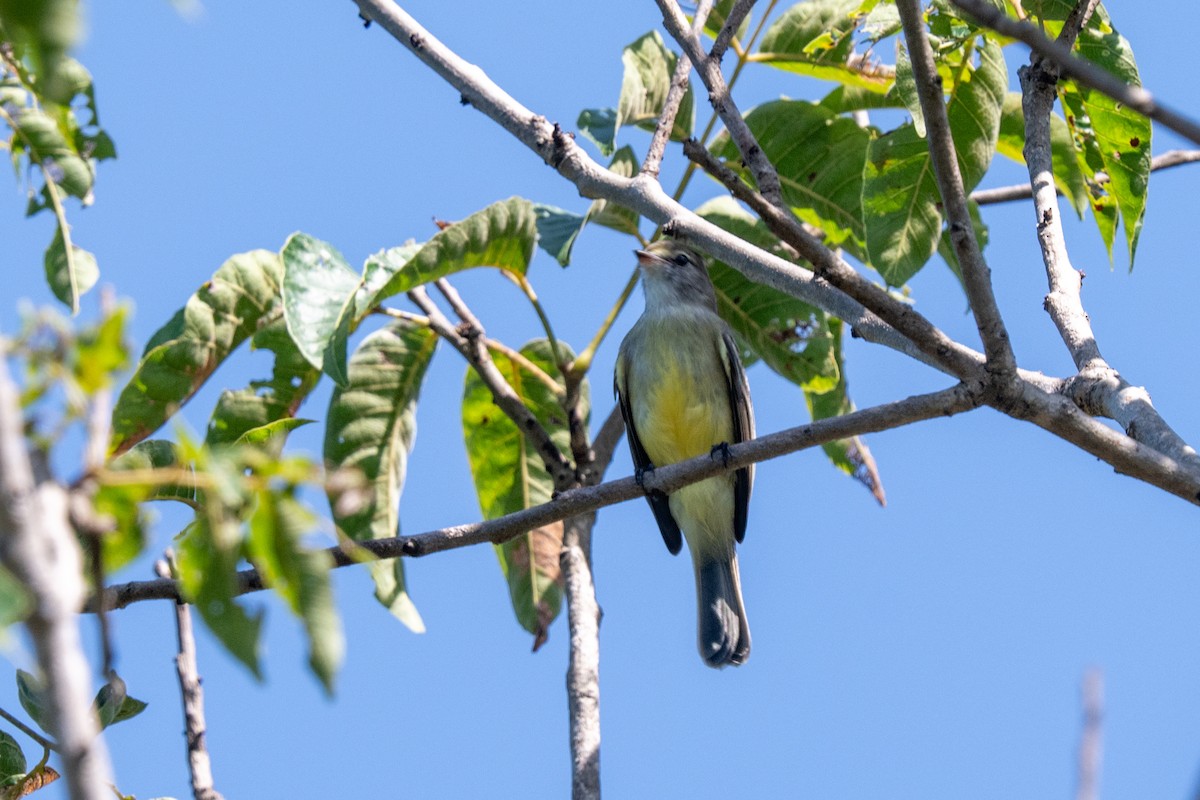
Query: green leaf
[14,600]
[319,291]
[849,455]
[557,230]
[790,336]
[32,696]
[377,271]
[819,156]
[901,202]
[185,352]
[371,426]
[266,407]
[509,475]
[70,272]
[1068,176]
[609,214]
[649,66]
[844,99]
[113,704]
[37,135]
[906,87]
[299,575]
[207,560]
[157,454]
[816,38]
[100,351]
[502,236]
[12,760]
[1118,134]
[600,126]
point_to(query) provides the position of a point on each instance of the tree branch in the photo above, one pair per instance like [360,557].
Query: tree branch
[583,669]
[675,95]
[38,547]
[469,340]
[192,694]
[1080,69]
[732,22]
[1098,388]
[1024,191]
[576,502]
[976,275]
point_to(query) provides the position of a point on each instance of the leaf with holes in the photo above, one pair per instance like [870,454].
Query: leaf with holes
[371,427]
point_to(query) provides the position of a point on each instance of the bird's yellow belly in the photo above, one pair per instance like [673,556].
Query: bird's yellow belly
[683,413]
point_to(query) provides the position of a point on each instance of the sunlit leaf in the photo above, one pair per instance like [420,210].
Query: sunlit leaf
[299,575]
[509,475]
[318,302]
[649,66]
[816,38]
[182,355]
[70,272]
[1068,176]
[901,202]
[502,236]
[819,156]
[371,426]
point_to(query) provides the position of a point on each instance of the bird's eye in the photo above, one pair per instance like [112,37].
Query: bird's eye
[681,260]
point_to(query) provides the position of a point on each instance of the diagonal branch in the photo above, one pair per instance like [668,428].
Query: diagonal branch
[576,502]
[977,278]
[469,340]
[1083,71]
[675,95]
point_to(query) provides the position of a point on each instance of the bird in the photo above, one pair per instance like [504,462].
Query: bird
[682,392]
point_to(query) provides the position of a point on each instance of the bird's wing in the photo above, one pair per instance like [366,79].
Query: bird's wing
[743,430]
[659,503]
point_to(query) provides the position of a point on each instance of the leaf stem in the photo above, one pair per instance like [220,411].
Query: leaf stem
[28,731]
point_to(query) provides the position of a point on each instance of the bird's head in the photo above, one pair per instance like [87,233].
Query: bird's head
[674,274]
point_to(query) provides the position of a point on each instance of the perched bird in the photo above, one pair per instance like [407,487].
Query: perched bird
[683,393]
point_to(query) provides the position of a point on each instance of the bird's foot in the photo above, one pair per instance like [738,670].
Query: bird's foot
[639,476]
[720,451]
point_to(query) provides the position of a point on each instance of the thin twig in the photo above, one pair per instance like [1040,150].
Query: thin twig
[583,668]
[732,22]
[1083,71]
[975,272]
[192,695]
[575,502]
[28,731]
[39,549]
[1024,191]
[1091,739]
[675,95]
[709,71]
[468,339]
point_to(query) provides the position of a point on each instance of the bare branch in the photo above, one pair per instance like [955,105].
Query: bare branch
[1080,69]
[39,548]
[192,694]
[470,341]
[976,275]
[709,70]
[1098,388]
[584,500]
[732,22]
[1024,191]
[675,95]
[583,669]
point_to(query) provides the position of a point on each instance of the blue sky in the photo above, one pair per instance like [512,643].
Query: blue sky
[931,649]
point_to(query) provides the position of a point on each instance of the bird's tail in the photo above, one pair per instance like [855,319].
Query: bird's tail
[723,632]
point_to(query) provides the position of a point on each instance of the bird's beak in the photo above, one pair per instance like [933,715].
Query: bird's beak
[648,259]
